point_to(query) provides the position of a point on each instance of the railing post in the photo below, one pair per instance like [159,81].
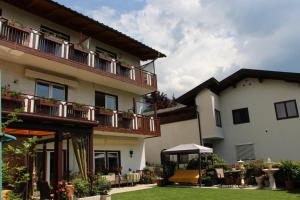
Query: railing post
[152,126]
[149,81]
[115,119]
[34,39]
[65,50]
[61,109]
[1,23]
[26,104]
[30,104]
[135,122]
[113,66]
[91,59]
[132,73]
[91,113]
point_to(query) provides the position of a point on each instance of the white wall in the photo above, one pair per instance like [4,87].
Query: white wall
[282,139]
[107,143]
[183,132]
[207,102]
[84,94]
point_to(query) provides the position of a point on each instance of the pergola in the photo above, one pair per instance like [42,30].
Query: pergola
[184,149]
[57,130]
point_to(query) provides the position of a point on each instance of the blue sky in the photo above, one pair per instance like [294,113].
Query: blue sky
[121,5]
[204,38]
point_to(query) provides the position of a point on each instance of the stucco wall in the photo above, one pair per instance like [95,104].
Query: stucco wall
[106,143]
[28,19]
[183,132]
[278,139]
[84,93]
[207,102]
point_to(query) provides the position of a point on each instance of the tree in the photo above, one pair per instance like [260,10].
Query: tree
[161,99]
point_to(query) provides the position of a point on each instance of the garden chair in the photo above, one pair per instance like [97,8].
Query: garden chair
[220,175]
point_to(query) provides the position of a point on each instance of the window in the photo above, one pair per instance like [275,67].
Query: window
[240,116]
[286,109]
[50,90]
[110,160]
[105,52]
[106,100]
[55,33]
[245,152]
[218,118]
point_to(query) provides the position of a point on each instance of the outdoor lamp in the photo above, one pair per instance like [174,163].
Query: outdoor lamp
[131,153]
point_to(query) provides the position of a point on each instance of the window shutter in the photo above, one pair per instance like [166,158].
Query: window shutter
[245,152]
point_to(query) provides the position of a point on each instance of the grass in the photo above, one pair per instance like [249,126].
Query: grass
[167,193]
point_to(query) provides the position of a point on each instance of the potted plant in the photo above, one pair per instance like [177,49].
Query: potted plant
[70,190]
[61,190]
[104,187]
[290,171]
[255,167]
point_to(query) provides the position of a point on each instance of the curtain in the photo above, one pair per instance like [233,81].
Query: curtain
[80,145]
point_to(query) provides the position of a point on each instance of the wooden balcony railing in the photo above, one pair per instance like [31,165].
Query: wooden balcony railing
[53,46]
[106,119]
[126,121]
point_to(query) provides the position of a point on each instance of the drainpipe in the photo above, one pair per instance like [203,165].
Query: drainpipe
[199,124]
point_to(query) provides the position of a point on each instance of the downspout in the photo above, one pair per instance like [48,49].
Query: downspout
[199,124]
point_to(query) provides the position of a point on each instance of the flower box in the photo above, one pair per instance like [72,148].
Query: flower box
[12,97]
[104,111]
[47,102]
[79,107]
[127,115]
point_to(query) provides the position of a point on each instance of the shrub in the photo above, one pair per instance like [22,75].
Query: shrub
[219,162]
[103,186]
[81,187]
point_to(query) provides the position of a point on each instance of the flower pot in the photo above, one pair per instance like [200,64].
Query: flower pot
[289,185]
[5,194]
[70,191]
[260,180]
[105,197]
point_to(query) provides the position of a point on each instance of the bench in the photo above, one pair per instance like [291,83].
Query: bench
[185,176]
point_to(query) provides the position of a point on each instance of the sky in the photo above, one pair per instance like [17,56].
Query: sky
[205,38]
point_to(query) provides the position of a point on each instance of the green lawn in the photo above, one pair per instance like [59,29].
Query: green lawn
[167,193]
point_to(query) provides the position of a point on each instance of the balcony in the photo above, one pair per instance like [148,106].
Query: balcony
[27,46]
[106,121]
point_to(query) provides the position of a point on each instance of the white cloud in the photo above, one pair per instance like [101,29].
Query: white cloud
[204,38]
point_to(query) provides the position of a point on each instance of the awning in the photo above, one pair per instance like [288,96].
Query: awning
[188,148]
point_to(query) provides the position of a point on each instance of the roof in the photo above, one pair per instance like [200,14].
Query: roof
[217,87]
[67,17]
[177,115]
[188,98]
[188,148]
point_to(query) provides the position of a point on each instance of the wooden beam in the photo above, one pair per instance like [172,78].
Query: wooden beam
[58,151]
[91,152]
[44,161]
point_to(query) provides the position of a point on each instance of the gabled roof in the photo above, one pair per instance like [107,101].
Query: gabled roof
[67,17]
[217,87]
[188,98]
